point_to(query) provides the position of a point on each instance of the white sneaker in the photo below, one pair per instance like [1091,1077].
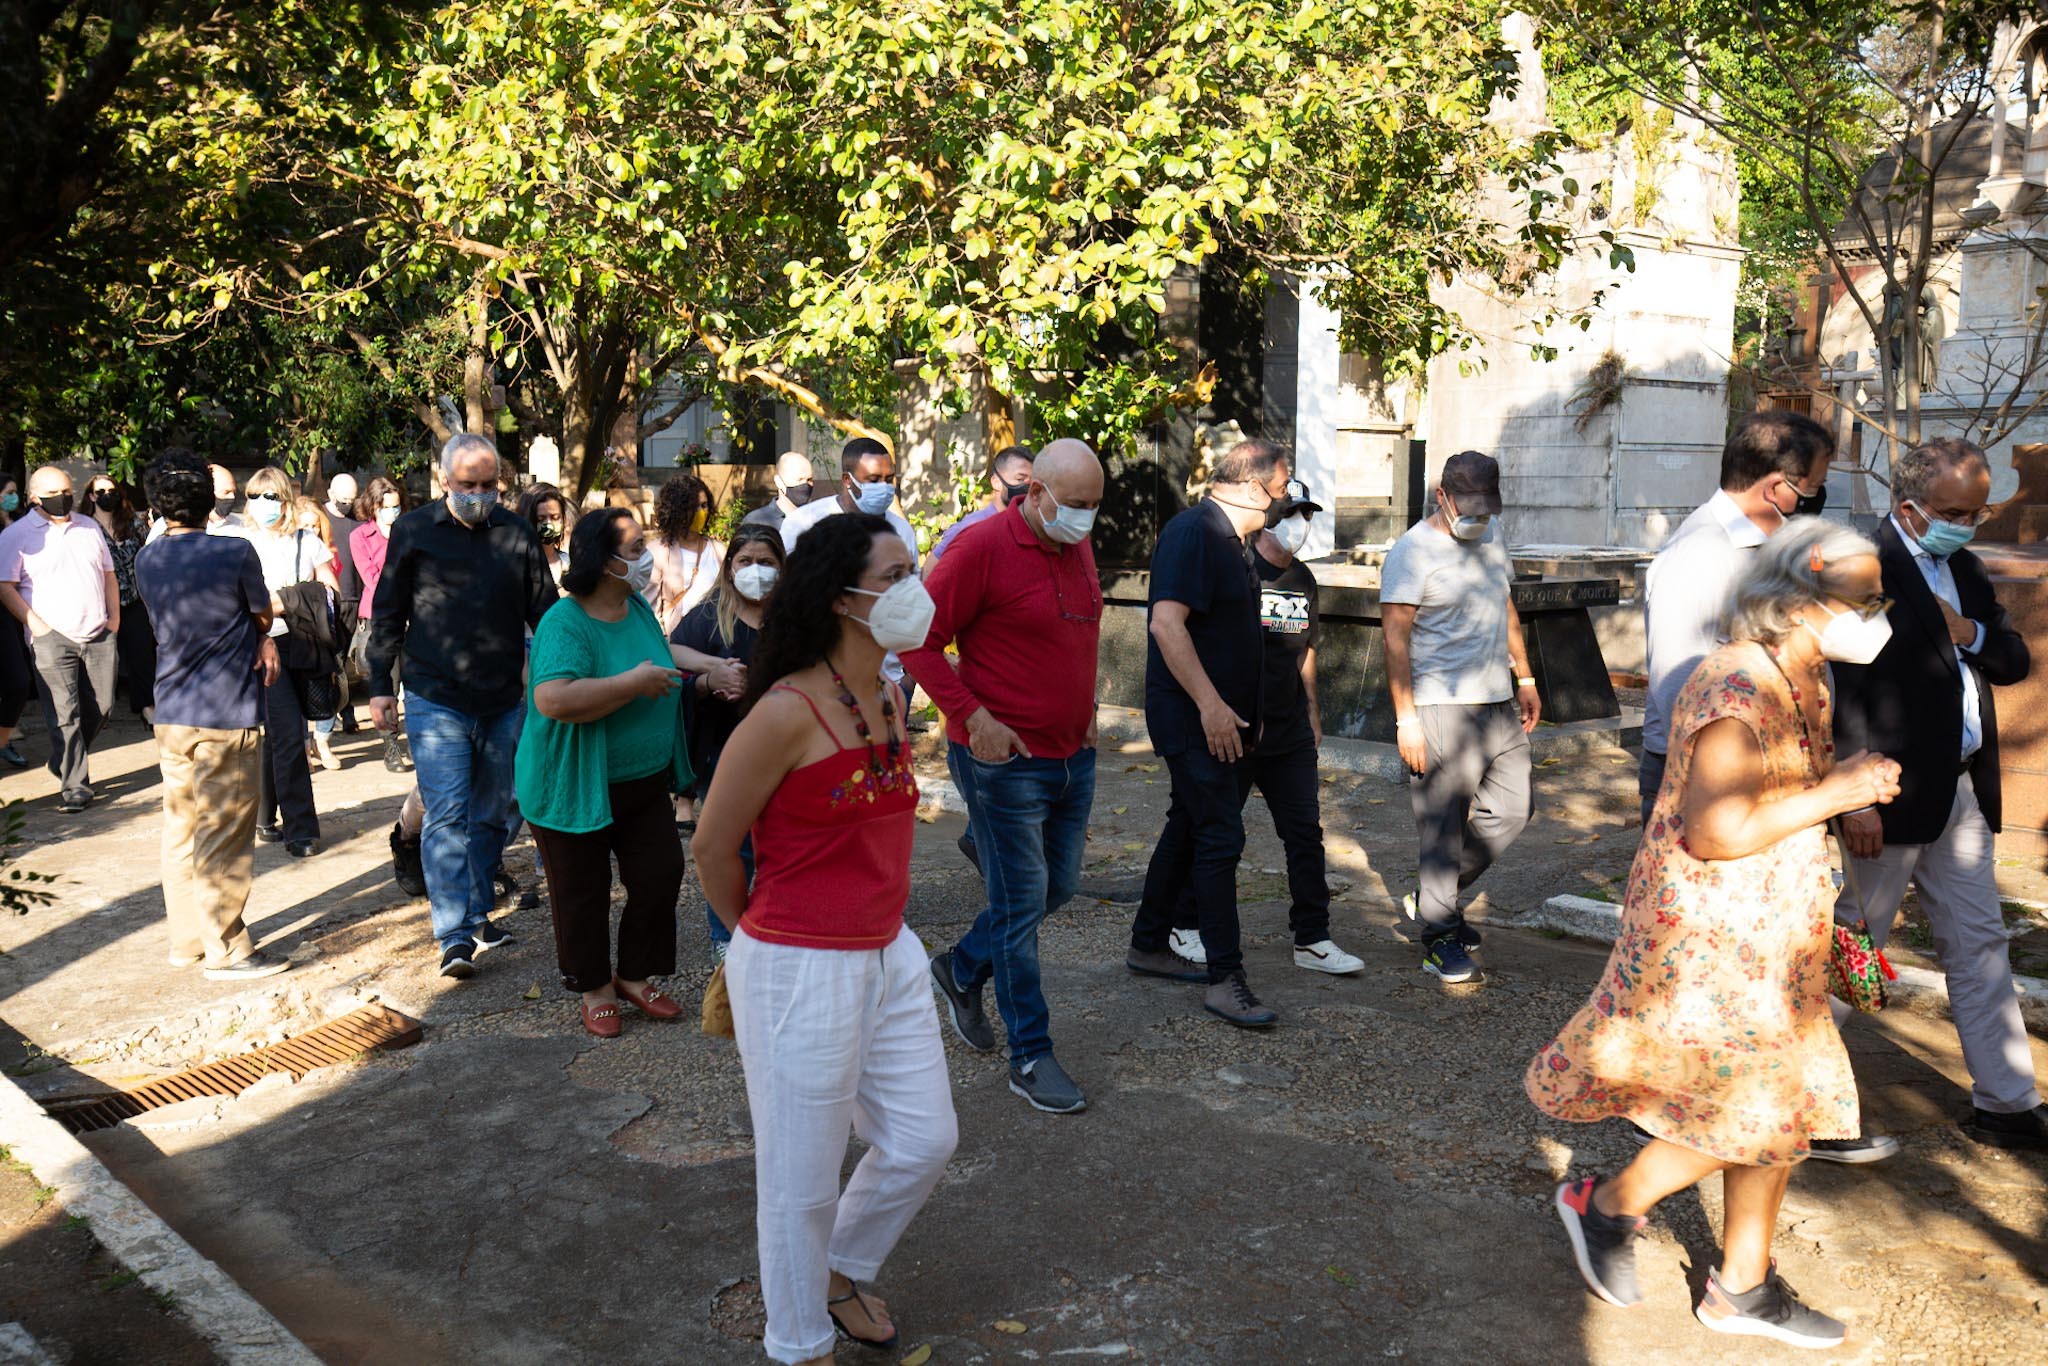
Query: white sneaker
[1324,956]
[322,753]
[1188,944]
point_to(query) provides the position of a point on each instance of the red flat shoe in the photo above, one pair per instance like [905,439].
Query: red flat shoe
[603,1020]
[656,1004]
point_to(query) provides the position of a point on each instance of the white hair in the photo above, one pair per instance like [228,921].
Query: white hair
[462,444]
[1782,577]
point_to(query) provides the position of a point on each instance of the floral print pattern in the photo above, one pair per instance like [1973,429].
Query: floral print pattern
[1709,1026]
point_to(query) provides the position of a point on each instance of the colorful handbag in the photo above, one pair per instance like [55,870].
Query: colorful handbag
[1857,967]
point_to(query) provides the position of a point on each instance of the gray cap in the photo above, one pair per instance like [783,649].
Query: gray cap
[1473,481]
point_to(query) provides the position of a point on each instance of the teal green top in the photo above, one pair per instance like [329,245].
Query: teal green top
[565,769]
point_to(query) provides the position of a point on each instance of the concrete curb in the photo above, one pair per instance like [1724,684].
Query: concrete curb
[240,1331]
[1581,917]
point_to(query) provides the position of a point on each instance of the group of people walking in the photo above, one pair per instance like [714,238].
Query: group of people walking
[620,688]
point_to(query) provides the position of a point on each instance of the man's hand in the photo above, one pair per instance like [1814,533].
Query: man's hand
[989,740]
[1414,753]
[1089,743]
[1863,832]
[267,665]
[384,713]
[1220,727]
[729,679]
[1530,705]
[37,627]
[1961,629]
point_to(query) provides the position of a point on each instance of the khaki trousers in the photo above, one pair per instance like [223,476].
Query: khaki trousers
[210,779]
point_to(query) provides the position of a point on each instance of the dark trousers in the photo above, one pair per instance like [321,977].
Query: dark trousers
[285,795]
[1291,786]
[642,836]
[76,682]
[136,644]
[1649,781]
[17,674]
[1199,849]
[1471,802]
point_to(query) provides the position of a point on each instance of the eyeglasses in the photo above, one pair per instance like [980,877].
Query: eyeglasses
[1956,516]
[1059,593]
[1870,609]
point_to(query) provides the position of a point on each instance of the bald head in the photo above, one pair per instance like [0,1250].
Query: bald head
[341,490]
[1070,470]
[49,488]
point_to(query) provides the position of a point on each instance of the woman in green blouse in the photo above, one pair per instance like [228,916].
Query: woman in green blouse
[601,753]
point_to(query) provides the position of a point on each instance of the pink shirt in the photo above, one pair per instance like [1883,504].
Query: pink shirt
[366,546]
[61,569]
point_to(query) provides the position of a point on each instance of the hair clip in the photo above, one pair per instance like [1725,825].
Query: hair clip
[1815,560]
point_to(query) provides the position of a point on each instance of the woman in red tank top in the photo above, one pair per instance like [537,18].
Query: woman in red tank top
[831,999]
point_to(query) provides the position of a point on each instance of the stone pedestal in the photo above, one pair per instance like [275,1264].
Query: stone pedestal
[2020,574]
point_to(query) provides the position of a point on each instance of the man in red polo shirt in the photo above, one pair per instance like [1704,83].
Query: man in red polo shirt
[1019,595]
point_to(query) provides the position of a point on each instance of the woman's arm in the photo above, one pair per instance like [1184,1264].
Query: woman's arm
[694,661]
[1724,818]
[760,754]
[573,700]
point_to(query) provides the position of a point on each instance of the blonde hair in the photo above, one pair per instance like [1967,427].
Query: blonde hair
[1796,568]
[313,517]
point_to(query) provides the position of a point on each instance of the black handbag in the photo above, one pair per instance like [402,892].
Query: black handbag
[319,694]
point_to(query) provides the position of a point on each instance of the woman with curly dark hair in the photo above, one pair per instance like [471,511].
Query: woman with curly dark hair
[836,1026]
[544,509]
[686,561]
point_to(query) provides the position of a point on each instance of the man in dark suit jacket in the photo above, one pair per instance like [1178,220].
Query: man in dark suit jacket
[1925,701]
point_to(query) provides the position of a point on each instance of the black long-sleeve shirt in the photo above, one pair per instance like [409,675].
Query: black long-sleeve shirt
[455,601]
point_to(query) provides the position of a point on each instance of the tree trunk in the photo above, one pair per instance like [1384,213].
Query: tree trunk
[476,364]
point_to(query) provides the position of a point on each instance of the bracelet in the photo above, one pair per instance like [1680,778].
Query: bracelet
[1525,682]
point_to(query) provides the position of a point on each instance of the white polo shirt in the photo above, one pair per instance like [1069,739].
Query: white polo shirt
[1685,603]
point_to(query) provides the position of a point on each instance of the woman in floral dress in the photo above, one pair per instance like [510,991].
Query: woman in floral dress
[1709,1027]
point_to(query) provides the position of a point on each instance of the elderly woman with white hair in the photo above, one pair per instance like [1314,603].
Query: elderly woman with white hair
[1709,1027]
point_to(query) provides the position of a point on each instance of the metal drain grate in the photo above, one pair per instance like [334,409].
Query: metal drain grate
[360,1031]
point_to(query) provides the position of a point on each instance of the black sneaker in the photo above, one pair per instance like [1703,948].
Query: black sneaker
[1602,1244]
[1467,935]
[503,885]
[458,961]
[2027,1130]
[405,864]
[1772,1310]
[963,1007]
[269,834]
[1868,1148]
[1164,963]
[304,848]
[965,844]
[489,936]
[257,964]
[1450,960]
[71,803]
[1044,1083]
[13,757]
[1231,999]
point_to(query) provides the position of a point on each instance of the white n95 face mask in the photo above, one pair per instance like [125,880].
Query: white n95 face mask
[1292,533]
[1851,638]
[754,580]
[901,616]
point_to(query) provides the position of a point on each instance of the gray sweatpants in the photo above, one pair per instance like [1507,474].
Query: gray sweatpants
[1959,894]
[1471,802]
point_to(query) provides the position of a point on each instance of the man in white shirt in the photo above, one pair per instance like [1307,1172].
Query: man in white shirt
[1774,467]
[794,476]
[867,483]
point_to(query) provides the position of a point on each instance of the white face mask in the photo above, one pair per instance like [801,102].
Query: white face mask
[1464,528]
[1068,526]
[385,517]
[753,581]
[1292,534]
[1850,638]
[874,499]
[901,616]
[639,573]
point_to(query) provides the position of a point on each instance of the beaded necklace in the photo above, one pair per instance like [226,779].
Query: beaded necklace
[885,778]
[1806,745]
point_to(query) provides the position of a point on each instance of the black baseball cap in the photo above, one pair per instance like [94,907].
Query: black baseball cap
[1295,499]
[1473,481]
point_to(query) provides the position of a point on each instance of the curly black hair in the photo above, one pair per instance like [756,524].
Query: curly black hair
[675,507]
[180,487]
[800,627]
[595,540]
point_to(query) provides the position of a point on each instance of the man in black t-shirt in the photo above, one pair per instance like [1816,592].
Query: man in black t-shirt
[1282,765]
[1203,679]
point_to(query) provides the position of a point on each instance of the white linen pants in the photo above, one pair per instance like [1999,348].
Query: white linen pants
[836,1041]
[1959,893]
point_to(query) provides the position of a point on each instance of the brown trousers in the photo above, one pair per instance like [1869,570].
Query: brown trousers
[210,779]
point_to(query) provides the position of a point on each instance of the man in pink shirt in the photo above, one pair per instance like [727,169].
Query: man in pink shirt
[57,580]
[1019,594]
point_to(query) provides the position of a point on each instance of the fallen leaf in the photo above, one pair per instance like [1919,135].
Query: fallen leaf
[918,1356]
[1566,839]
[1133,848]
[1148,768]
[1546,763]
[533,992]
[1375,801]
[1118,810]
[1009,1326]
[927,815]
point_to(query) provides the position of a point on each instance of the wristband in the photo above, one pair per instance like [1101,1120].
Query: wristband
[1525,682]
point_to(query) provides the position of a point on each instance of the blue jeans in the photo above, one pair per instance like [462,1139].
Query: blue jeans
[1030,820]
[719,933]
[463,765]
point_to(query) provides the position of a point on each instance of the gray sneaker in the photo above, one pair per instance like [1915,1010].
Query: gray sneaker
[1044,1083]
[1163,963]
[257,964]
[963,1007]
[1772,1310]
[1868,1148]
[1232,1000]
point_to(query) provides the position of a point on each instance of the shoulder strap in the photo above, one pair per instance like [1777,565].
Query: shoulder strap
[820,716]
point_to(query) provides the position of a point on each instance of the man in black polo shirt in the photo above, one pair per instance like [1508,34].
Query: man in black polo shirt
[463,580]
[1282,765]
[1203,673]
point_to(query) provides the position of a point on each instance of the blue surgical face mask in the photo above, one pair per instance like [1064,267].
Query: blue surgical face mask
[10,502]
[1068,526]
[265,510]
[874,499]
[1943,539]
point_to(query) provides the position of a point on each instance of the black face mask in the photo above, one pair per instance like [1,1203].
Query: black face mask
[57,505]
[1810,504]
[1012,492]
[222,506]
[1276,513]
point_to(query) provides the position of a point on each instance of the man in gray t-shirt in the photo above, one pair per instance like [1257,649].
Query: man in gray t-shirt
[1464,700]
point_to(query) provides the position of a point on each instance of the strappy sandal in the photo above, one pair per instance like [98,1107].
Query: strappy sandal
[878,1344]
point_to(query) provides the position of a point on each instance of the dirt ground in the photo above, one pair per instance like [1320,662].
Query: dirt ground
[1364,1181]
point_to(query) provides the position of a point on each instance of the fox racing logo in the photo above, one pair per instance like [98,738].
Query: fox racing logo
[1282,611]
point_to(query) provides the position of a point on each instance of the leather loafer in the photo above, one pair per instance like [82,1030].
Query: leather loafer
[653,1003]
[603,1020]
